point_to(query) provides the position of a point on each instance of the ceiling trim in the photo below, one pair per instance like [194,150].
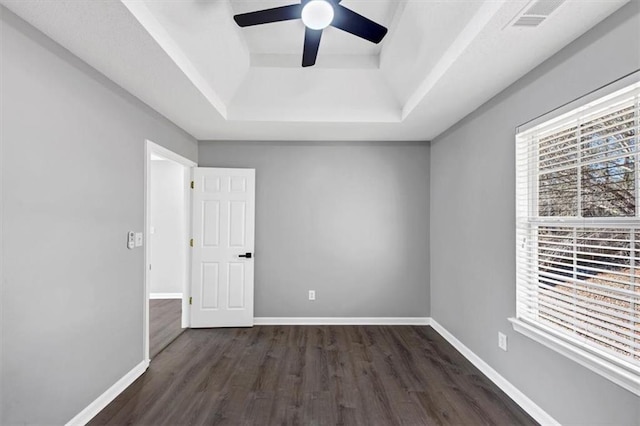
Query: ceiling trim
[144,16]
[473,28]
[269,60]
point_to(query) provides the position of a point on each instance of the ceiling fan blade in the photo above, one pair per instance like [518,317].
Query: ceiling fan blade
[351,22]
[311,45]
[277,14]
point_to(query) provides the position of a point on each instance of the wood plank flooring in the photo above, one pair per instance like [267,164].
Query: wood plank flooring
[165,323]
[312,375]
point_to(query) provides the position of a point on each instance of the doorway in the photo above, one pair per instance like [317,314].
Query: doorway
[166,255]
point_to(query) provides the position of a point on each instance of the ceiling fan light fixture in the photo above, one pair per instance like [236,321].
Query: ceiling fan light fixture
[317,14]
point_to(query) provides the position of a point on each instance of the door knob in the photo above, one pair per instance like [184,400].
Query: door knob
[247,255]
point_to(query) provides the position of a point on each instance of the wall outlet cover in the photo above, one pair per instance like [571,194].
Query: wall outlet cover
[502,341]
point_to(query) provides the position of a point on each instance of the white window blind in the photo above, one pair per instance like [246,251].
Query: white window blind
[578,228]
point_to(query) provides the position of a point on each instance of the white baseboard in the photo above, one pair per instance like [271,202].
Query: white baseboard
[514,393]
[341,321]
[109,395]
[165,295]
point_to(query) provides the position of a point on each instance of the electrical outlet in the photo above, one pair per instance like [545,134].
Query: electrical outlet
[502,341]
[312,295]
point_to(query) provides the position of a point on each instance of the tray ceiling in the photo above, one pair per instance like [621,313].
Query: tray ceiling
[190,61]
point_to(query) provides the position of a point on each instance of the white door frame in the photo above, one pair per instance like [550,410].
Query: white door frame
[149,149]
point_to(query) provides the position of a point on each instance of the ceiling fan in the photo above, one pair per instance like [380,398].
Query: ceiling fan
[316,16]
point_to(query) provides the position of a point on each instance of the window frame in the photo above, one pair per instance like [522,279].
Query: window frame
[616,369]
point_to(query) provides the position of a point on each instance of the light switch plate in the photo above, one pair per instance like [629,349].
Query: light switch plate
[131,240]
[502,341]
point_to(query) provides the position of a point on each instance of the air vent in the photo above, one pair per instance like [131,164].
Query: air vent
[543,7]
[529,21]
[535,13]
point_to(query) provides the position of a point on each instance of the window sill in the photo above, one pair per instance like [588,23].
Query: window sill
[626,376]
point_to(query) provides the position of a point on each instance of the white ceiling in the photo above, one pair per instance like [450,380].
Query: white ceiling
[188,60]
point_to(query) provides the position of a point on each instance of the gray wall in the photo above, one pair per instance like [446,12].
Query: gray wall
[72,147]
[168,238]
[473,226]
[344,219]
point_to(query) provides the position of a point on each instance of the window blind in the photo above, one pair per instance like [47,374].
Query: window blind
[578,227]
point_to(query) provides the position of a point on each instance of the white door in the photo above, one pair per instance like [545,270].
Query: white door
[223,247]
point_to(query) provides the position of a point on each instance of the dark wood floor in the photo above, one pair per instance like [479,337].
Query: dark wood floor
[165,323]
[313,375]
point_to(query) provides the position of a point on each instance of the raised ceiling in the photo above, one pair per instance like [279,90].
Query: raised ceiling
[188,60]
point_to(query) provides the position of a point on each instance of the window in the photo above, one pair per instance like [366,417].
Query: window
[578,235]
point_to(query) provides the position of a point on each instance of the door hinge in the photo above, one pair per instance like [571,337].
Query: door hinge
[191,242]
[193,185]
[191,300]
